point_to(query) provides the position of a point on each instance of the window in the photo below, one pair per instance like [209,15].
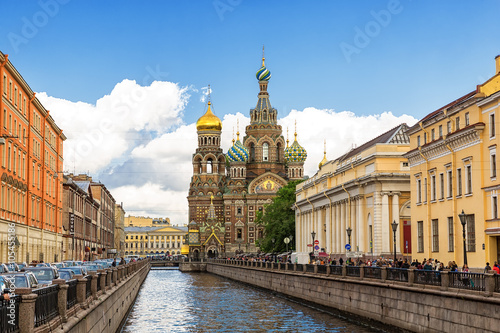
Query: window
[425,138]
[440,131]
[494,207]
[239,210]
[459,182]
[5,85]
[425,189]
[467,121]
[441,185]
[471,233]
[457,123]
[239,233]
[418,141]
[451,239]
[420,236]
[435,235]
[209,166]
[265,151]
[419,191]
[433,132]
[448,127]
[468,179]
[433,187]
[493,163]
[492,125]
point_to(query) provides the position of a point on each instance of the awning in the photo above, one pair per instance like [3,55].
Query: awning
[323,254]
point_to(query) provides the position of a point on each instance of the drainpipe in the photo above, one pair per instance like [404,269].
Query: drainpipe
[312,214]
[453,162]
[427,196]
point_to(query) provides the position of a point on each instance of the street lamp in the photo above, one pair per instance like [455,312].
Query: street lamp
[394,228]
[313,234]
[463,220]
[349,231]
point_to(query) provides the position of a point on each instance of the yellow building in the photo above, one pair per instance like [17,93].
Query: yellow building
[166,240]
[454,169]
[141,221]
[364,190]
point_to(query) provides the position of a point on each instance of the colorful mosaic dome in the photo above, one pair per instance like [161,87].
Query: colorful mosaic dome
[295,153]
[237,153]
[263,74]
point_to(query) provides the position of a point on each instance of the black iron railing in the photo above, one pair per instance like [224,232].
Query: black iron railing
[397,274]
[336,270]
[373,272]
[88,287]
[310,268]
[299,267]
[353,271]
[99,277]
[71,299]
[322,269]
[427,277]
[497,283]
[9,315]
[46,307]
[472,281]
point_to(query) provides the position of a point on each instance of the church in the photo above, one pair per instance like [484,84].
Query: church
[227,190]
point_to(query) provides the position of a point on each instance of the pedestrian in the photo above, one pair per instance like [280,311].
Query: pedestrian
[114,262]
[487,269]
[341,261]
[465,268]
[495,268]
[122,262]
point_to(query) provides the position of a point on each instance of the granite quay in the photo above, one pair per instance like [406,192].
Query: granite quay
[410,299]
[98,302]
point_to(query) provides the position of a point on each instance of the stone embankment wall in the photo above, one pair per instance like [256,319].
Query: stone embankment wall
[417,308]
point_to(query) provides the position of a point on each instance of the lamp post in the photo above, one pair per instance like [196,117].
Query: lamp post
[463,220]
[291,239]
[349,231]
[394,228]
[313,234]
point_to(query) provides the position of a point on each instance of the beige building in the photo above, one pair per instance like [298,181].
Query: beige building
[453,170]
[119,231]
[363,191]
[141,221]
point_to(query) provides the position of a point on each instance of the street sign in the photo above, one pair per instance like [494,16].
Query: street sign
[316,248]
[310,245]
[71,223]
[286,240]
[348,247]
[316,242]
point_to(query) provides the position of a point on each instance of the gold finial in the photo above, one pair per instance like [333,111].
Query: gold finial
[233,135]
[209,91]
[237,129]
[263,58]
[324,150]
[295,130]
[211,198]
[287,136]
[324,160]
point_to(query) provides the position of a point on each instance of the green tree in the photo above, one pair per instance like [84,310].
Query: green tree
[278,220]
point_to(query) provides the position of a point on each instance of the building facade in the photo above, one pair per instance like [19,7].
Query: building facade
[148,241]
[119,247]
[89,219]
[141,221]
[31,153]
[227,190]
[362,192]
[453,169]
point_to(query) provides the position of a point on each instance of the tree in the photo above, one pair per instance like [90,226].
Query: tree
[278,219]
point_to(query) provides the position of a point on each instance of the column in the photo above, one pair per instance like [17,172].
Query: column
[385,224]
[395,217]
[328,220]
[342,226]
[354,226]
[337,227]
[363,229]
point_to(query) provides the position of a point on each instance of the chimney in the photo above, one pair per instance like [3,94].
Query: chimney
[497,61]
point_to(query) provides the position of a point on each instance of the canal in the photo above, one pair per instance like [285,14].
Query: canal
[171,301]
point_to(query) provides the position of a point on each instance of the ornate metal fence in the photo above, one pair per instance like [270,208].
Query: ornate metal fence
[71,299]
[310,268]
[99,276]
[397,274]
[427,277]
[88,288]
[299,267]
[336,270]
[353,271]
[46,307]
[373,272]
[471,281]
[322,269]
[9,315]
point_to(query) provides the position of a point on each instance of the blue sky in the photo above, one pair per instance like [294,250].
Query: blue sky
[367,57]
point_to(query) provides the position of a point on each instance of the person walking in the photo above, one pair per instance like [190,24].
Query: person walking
[487,269]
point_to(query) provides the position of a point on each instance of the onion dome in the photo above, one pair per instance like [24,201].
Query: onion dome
[237,152]
[295,153]
[209,121]
[263,74]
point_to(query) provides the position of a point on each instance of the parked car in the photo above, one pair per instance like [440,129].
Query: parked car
[66,274]
[42,264]
[93,268]
[59,264]
[22,279]
[5,285]
[82,270]
[4,268]
[21,265]
[13,267]
[44,275]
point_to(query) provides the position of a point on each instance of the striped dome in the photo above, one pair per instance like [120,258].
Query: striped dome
[263,74]
[295,153]
[237,153]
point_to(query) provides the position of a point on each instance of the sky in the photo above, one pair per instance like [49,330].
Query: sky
[127,80]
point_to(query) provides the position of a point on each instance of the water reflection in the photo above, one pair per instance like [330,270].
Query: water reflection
[171,301]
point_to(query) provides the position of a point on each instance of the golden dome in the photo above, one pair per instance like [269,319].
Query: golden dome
[324,160]
[209,121]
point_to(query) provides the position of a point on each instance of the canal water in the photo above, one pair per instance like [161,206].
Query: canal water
[172,301]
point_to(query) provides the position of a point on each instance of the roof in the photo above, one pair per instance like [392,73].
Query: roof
[150,229]
[396,135]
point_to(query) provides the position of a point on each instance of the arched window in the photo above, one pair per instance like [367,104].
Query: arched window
[209,166]
[239,233]
[252,152]
[265,151]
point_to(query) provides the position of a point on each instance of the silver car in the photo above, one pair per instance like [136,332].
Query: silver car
[22,280]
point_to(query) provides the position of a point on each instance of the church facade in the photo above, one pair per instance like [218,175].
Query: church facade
[227,190]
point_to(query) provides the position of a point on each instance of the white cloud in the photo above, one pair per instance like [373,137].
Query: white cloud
[98,134]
